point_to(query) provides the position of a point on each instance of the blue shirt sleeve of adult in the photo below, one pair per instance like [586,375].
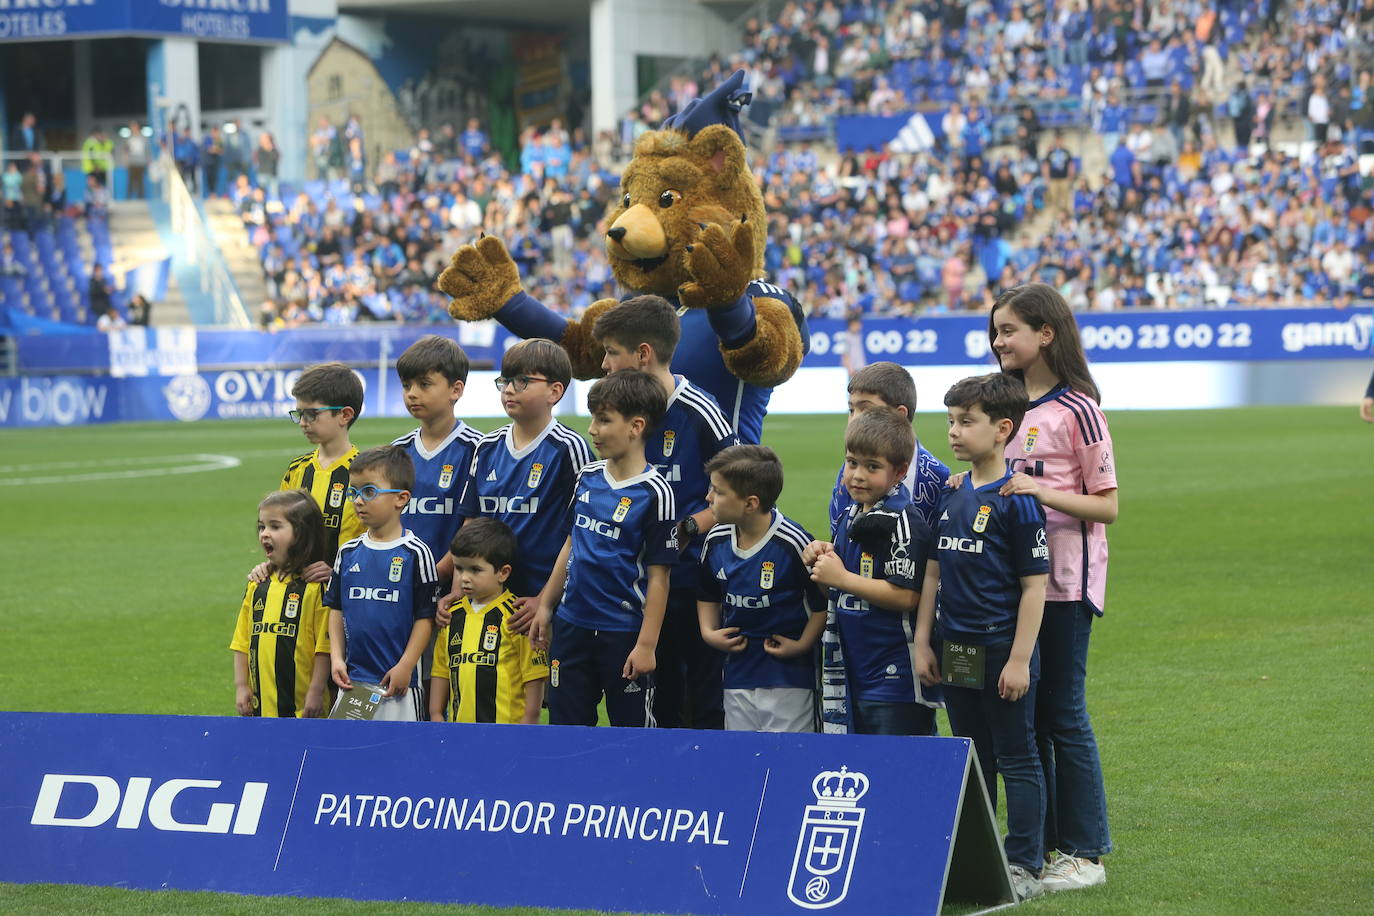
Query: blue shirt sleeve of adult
[734,324]
[527,317]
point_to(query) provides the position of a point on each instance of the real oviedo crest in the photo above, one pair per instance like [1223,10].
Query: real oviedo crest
[766,575]
[621,510]
[1031,435]
[397,567]
[445,476]
[336,495]
[829,840]
[669,438]
[536,472]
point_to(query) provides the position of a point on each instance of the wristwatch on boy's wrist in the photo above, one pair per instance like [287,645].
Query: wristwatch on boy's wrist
[689,526]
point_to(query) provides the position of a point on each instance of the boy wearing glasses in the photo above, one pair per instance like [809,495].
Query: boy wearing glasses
[523,473]
[382,594]
[329,398]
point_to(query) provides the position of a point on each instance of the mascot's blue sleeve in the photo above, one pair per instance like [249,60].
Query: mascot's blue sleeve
[526,317]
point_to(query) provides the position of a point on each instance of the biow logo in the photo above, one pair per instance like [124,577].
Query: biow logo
[131,803]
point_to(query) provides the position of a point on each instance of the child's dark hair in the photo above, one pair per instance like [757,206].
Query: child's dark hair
[646,319]
[1001,395]
[391,461]
[888,381]
[630,393]
[303,514]
[750,470]
[330,384]
[1038,305]
[487,539]
[433,353]
[882,433]
[538,356]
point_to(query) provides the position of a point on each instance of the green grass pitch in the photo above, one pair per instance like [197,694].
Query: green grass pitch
[1230,682]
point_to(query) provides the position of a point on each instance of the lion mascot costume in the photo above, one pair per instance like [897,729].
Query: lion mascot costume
[689,226]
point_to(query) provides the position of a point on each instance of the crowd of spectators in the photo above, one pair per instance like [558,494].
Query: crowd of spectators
[1190,200]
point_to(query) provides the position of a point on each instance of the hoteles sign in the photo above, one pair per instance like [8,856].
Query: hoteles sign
[214,20]
[661,821]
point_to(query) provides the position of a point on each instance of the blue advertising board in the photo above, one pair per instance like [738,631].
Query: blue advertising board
[1229,335]
[214,20]
[227,394]
[1137,336]
[650,820]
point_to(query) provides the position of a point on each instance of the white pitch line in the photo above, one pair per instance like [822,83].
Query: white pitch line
[200,464]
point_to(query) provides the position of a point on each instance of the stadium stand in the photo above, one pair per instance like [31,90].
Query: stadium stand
[1201,172]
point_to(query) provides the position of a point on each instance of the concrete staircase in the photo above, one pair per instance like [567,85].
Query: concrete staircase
[241,257]
[135,239]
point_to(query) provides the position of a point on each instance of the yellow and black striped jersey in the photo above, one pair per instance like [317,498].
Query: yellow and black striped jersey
[329,486]
[281,626]
[486,665]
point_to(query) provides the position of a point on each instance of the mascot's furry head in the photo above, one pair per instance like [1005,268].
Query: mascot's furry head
[684,178]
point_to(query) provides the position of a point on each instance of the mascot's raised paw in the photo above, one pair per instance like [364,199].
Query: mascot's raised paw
[721,266]
[480,279]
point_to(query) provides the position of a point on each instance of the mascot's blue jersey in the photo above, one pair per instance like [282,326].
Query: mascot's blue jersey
[698,352]
[698,357]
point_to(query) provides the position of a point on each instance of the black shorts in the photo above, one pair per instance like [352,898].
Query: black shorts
[586,664]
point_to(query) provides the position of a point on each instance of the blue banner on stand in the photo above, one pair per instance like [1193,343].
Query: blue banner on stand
[610,819]
[215,20]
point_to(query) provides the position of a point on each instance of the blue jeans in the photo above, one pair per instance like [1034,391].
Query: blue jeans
[1004,738]
[874,718]
[1076,813]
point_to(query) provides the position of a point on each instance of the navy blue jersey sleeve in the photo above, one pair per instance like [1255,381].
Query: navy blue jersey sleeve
[467,500]
[1369,392]
[839,501]
[425,588]
[709,586]
[1030,554]
[660,535]
[333,590]
[905,564]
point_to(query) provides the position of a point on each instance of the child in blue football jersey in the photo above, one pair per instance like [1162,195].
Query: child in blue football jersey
[752,567]
[382,594]
[642,333]
[433,373]
[872,569]
[980,612]
[523,473]
[888,385]
[610,582]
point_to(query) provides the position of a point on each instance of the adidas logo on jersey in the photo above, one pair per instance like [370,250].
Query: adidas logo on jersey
[355,568]
[585,497]
[632,687]
[944,517]
[491,476]
[720,574]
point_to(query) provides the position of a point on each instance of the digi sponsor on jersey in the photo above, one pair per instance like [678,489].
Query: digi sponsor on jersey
[509,505]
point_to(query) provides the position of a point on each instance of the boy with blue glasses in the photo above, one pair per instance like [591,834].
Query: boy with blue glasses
[382,595]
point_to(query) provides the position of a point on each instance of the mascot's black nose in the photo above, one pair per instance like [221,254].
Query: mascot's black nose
[617,234]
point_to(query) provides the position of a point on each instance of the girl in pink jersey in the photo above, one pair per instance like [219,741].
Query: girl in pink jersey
[1062,455]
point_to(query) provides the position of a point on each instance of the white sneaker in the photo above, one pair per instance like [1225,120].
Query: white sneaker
[1024,884]
[1070,873]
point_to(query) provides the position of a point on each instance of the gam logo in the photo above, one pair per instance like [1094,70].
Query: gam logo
[239,817]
